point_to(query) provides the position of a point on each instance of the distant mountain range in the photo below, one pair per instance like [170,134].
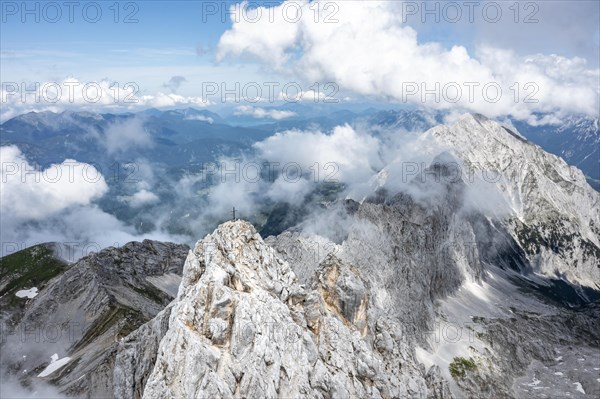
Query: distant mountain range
[182,141]
[176,138]
[576,140]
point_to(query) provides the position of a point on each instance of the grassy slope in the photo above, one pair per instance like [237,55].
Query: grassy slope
[30,267]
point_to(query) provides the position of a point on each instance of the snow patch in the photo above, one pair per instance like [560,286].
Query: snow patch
[55,364]
[534,382]
[30,293]
[579,387]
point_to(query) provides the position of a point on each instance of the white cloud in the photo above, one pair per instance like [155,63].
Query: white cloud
[140,198]
[56,204]
[371,52]
[73,94]
[288,190]
[35,194]
[250,37]
[292,163]
[201,118]
[121,136]
[83,228]
[261,113]
[238,193]
[343,155]
[162,100]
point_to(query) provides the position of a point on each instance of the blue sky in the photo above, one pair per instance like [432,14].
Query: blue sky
[166,36]
[175,39]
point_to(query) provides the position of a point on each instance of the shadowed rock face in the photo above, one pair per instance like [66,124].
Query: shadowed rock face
[136,355]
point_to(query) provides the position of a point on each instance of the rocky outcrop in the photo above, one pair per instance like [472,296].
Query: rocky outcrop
[344,292]
[242,326]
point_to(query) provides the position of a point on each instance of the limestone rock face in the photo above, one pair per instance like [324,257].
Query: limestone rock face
[344,292]
[242,326]
[136,355]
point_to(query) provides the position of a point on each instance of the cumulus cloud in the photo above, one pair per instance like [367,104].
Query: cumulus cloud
[343,155]
[385,59]
[30,193]
[57,204]
[261,113]
[74,94]
[284,168]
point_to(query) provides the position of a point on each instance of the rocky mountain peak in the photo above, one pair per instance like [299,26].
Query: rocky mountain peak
[546,205]
[235,255]
[242,326]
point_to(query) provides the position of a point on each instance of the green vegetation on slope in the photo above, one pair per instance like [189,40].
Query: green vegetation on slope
[30,267]
[460,365]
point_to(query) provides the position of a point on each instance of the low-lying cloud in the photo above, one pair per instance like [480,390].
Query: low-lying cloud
[120,137]
[344,154]
[34,194]
[140,198]
[59,204]
[262,113]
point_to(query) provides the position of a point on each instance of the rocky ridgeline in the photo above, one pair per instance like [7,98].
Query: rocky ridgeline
[242,326]
[85,311]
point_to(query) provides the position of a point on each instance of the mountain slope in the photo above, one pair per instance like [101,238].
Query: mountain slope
[547,205]
[82,312]
[576,139]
